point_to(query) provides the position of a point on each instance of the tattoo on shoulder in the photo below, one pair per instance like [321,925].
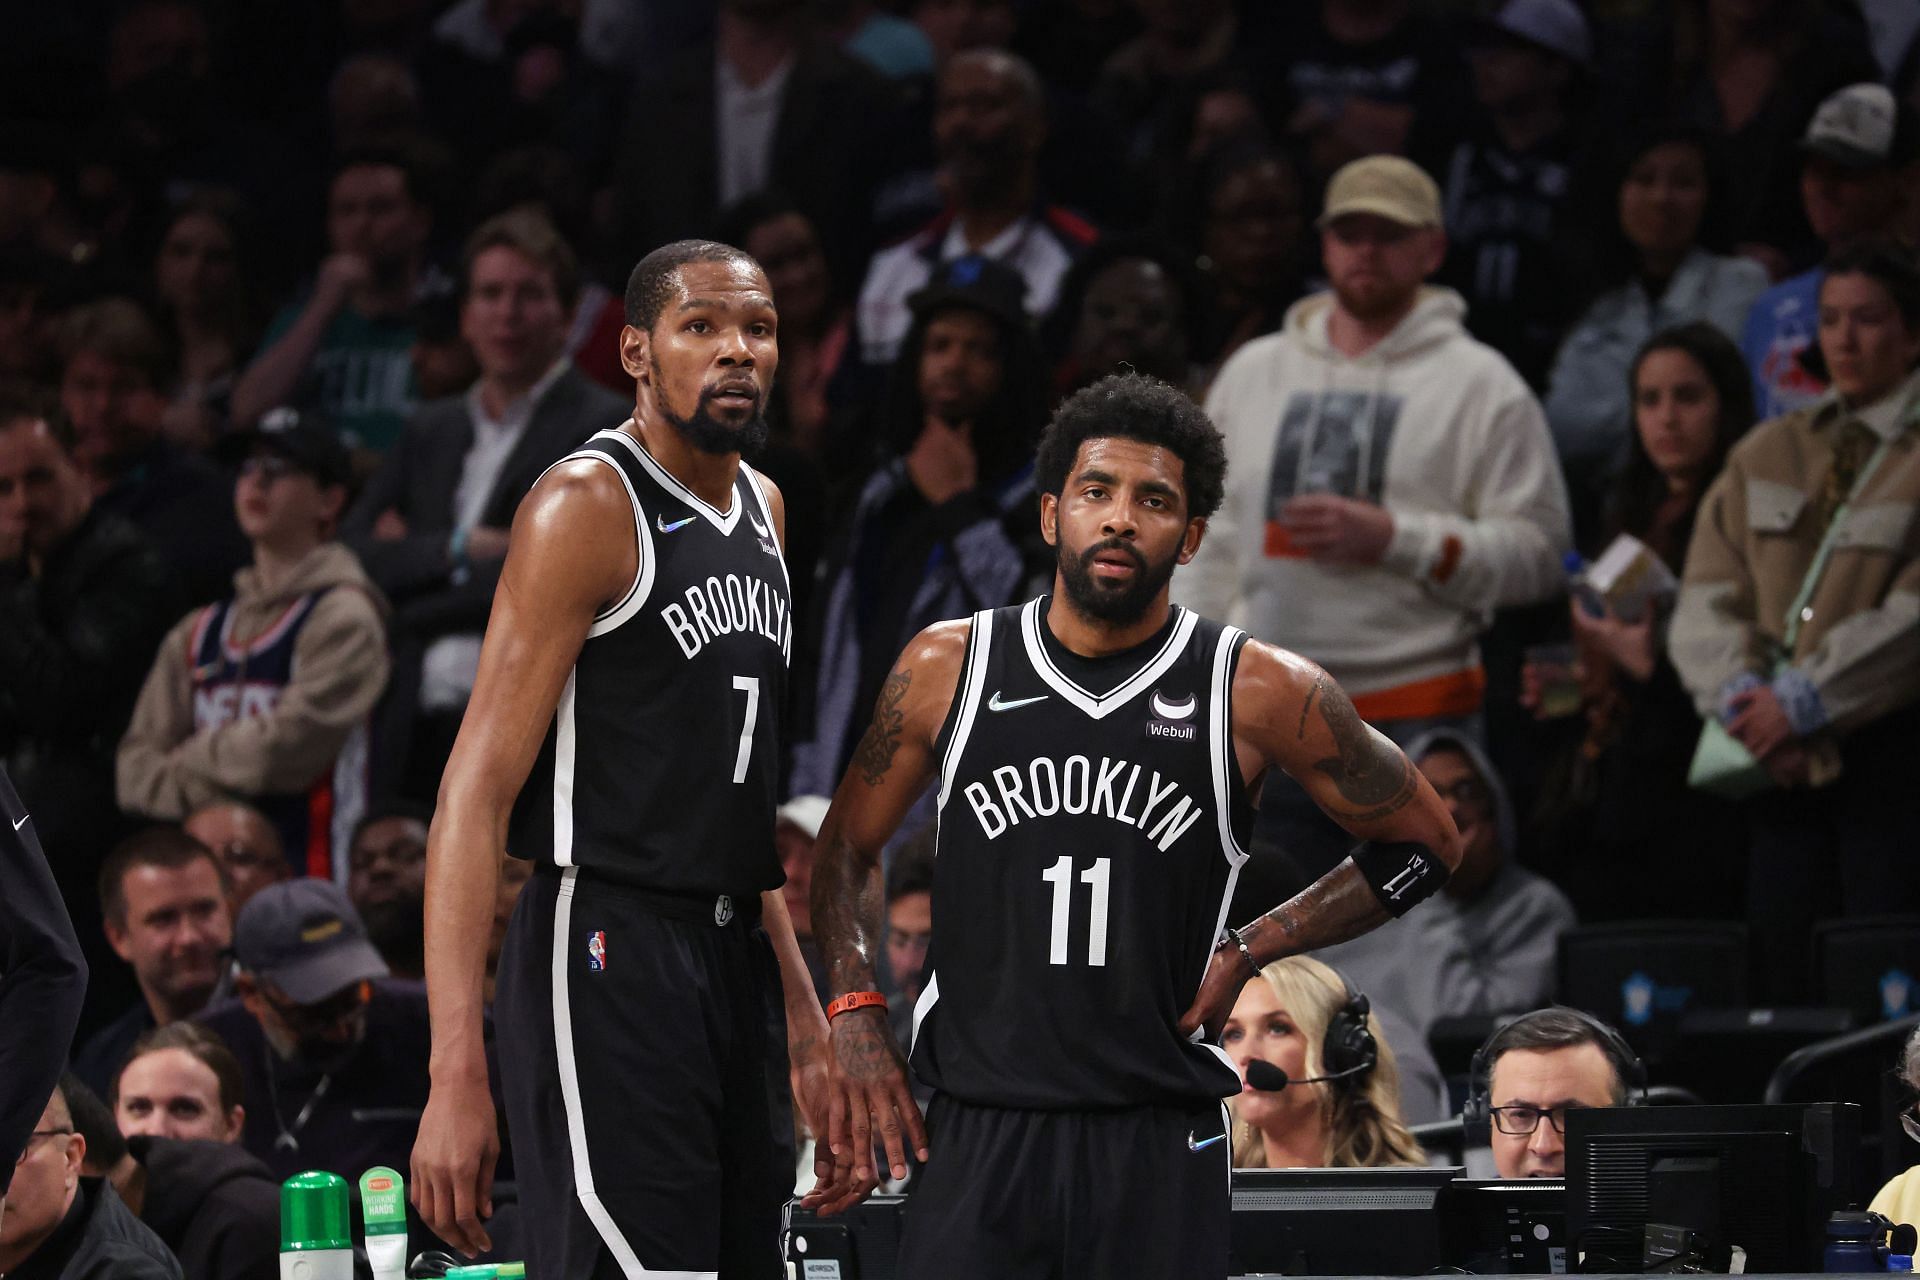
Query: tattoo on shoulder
[882,740]
[1319,683]
[1370,772]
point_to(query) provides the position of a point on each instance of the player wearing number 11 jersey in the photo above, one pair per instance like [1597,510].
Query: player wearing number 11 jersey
[1094,751]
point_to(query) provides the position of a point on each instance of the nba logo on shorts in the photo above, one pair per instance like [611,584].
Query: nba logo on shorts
[597,951]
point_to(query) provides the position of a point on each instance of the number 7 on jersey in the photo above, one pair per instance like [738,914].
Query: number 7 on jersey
[750,685]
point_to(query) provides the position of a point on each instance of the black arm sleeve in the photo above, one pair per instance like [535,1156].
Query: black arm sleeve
[42,980]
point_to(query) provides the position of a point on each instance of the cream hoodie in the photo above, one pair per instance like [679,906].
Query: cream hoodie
[1432,425]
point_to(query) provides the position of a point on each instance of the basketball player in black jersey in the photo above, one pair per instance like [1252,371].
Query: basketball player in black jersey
[1095,753]
[622,734]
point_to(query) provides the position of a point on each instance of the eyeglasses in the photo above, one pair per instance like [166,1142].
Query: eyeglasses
[1521,1121]
[321,1017]
[27,1150]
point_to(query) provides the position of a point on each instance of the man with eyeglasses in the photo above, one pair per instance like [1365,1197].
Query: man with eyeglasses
[1539,1067]
[265,695]
[59,1225]
[246,844]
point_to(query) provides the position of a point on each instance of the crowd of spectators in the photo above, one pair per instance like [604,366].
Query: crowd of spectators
[296,303]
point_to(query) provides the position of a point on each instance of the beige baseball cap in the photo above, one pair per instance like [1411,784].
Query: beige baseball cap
[1389,186]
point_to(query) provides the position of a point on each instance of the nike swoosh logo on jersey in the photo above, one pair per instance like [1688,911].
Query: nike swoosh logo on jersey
[22,822]
[996,704]
[660,523]
[1204,1144]
[1172,710]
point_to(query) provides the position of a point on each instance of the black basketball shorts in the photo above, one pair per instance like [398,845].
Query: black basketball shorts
[1140,1194]
[644,1064]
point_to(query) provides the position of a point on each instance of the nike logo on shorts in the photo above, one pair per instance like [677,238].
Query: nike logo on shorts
[995,703]
[660,523]
[1204,1143]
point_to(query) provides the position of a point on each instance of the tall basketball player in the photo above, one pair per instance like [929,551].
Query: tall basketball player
[628,695]
[1095,752]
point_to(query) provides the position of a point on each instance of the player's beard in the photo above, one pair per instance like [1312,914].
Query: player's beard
[709,435]
[1117,604]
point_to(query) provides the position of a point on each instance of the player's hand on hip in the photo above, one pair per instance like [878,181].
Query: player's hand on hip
[453,1161]
[873,1100]
[1226,974]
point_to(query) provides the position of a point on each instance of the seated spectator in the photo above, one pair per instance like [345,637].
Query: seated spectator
[943,527]
[62,1225]
[387,884]
[1514,183]
[1856,184]
[443,363]
[264,696]
[988,124]
[84,600]
[1284,1017]
[431,525]
[1182,41]
[514,874]
[1537,1068]
[1658,276]
[246,844]
[164,900]
[1126,305]
[1614,813]
[1487,943]
[910,919]
[343,350]
[1810,661]
[174,1156]
[796,825]
[333,1055]
[1899,1199]
[200,282]
[113,380]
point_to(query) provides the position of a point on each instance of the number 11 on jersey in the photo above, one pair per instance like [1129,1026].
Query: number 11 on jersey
[1060,876]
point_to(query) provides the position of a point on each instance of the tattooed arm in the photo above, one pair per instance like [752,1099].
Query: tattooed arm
[1289,714]
[893,764]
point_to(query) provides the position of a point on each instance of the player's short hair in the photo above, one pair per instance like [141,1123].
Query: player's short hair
[1132,406]
[203,1045]
[533,236]
[167,847]
[656,277]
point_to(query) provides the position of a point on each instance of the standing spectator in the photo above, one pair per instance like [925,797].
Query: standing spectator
[1825,702]
[246,844]
[989,122]
[165,906]
[333,1055]
[1614,812]
[1392,484]
[1487,944]
[200,276]
[343,349]
[945,525]
[1658,274]
[265,695]
[1248,233]
[387,884]
[1855,181]
[113,380]
[1513,184]
[431,525]
[83,601]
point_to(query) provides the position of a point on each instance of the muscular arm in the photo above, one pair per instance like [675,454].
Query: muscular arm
[549,593]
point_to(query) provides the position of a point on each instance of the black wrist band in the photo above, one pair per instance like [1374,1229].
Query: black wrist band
[1233,936]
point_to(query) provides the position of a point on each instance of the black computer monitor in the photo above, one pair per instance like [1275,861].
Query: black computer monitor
[1762,1178]
[1336,1222]
[1504,1226]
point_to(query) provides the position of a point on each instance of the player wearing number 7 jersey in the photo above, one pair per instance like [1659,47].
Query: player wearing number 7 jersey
[1095,751]
[628,696]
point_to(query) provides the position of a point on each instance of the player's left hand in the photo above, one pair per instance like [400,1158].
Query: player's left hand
[1338,530]
[1226,974]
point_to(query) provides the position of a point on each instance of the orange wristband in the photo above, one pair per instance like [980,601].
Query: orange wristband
[854,1000]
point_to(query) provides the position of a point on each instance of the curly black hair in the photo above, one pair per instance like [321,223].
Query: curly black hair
[656,276]
[1132,406]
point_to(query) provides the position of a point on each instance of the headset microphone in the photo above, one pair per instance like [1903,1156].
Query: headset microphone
[1267,1078]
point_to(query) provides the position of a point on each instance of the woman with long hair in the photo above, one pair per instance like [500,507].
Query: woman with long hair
[1283,1017]
[199,287]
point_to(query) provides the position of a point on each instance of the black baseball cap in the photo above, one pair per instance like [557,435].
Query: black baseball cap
[976,282]
[305,938]
[303,438]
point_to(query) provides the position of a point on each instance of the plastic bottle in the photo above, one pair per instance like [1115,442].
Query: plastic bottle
[1591,601]
[315,1228]
[1855,1242]
[383,1208]
[1900,1262]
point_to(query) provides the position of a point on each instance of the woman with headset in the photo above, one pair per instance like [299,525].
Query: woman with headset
[1322,1090]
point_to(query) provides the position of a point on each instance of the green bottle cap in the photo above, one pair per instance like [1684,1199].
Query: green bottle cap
[512,1271]
[313,1213]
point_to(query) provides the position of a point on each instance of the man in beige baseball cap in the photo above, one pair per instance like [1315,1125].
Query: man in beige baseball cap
[1387,186]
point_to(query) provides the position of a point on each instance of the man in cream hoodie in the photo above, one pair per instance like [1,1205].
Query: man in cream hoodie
[1391,484]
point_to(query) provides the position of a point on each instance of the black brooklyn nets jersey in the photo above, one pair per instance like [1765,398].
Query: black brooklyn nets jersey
[660,766]
[1088,845]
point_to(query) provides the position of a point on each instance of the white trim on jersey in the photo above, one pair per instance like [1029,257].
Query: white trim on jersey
[724,521]
[1100,705]
[564,747]
[636,597]
[973,677]
[922,1007]
[766,509]
[1226,767]
[610,1233]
